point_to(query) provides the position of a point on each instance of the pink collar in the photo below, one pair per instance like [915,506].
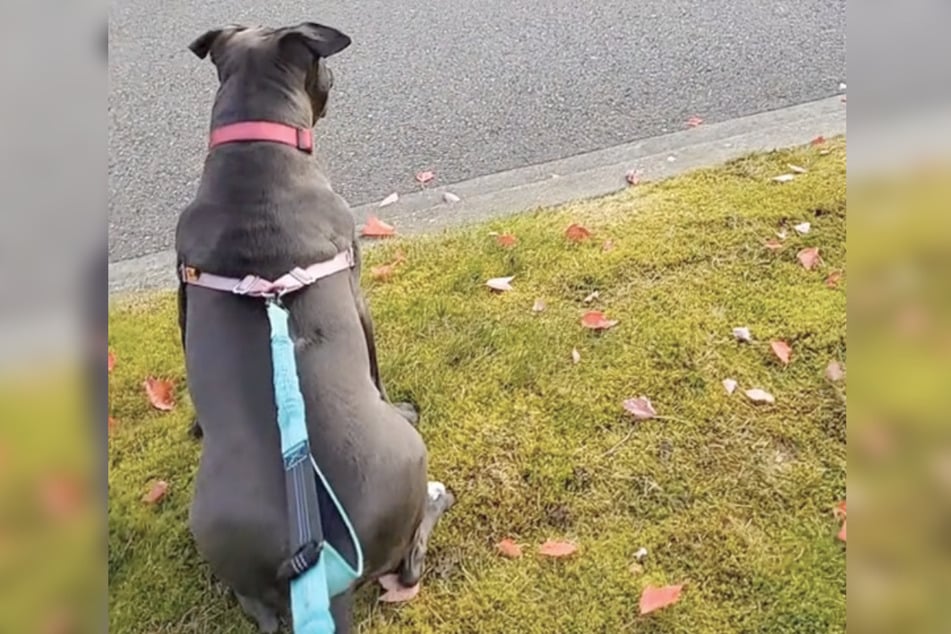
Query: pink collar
[301,138]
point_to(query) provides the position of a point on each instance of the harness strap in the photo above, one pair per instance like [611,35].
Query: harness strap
[301,138]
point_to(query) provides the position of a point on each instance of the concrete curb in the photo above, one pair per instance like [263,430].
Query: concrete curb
[557,182]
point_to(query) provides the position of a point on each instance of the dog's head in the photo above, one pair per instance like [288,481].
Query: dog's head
[293,54]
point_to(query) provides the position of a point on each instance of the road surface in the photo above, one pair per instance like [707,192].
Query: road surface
[463,88]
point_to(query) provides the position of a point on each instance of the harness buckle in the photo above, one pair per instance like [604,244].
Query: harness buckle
[302,276]
[305,140]
[246,285]
[301,561]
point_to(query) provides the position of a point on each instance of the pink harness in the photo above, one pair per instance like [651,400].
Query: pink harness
[298,278]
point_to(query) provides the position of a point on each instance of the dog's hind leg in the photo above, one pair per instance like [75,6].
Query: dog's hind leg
[264,616]
[195,429]
[438,501]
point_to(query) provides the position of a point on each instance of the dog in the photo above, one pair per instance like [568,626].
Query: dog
[263,209]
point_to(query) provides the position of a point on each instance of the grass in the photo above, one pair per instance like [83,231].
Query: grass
[730,498]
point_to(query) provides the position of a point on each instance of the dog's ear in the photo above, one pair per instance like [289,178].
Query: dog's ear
[203,42]
[320,40]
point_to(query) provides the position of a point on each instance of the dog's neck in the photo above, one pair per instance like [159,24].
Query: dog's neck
[266,98]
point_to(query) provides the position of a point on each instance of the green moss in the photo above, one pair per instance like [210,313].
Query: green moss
[730,498]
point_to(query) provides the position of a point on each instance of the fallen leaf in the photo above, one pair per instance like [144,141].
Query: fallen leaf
[633,177]
[641,408]
[834,278]
[389,200]
[640,554]
[781,349]
[742,334]
[760,396]
[556,549]
[694,121]
[819,140]
[500,283]
[591,297]
[809,258]
[773,244]
[575,356]
[595,320]
[111,424]
[396,593]
[508,548]
[376,228]
[61,495]
[425,177]
[110,361]
[784,178]
[834,371]
[635,568]
[506,240]
[839,510]
[671,158]
[797,169]
[156,492]
[577,233]
[450,198]
[608,245]
[160,393]
[729,385]
[825,152]
[383,272]
[538,306]
[802,228]
[656,598]
[841,534]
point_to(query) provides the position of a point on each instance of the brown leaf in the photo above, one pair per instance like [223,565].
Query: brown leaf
[595,320]
[653,598]
[508,548]
[834,371]
[424,177]
[156,492]
[773,244]
[160,393]
[395,592]
[809,258]
[834,278]
[819,140]
[633,177]
[557,549]
[376,228]
[781,349]
[383,272]
[506,240]
[694,121]
[641,408]
[577,233]
[839,510]
[110,361]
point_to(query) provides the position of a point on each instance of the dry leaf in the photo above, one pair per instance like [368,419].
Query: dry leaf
[839,510]
[641,408]
[834,278]
[841,534]
[633,177]
[825,152]
[575,356]
[500,283]
[556,549]
[802,228]
[640,554]
[591,297]
[110,361]
[160,393]
[383,272]
[595,320]
[781,234]
[760,396]
[389,200]
[819,140]
[742,334]
[508,548]
[694,121]
[784,178]
[834,371]
[577,233]
[156,492]
[450,198]
[773,245]
[538,306]
[796,168]
[635,568]
[506,240]
[608,245]
[809,258]
[396,593]
[656,598]
[781,349]
[729,385]
[425,177]
[111,424]
[376,228]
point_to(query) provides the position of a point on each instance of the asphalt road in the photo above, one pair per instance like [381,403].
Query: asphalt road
[464,88]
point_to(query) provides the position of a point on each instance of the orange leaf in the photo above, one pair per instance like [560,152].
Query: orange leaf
[506,240]
[595,320]
[160,393]
[376,228]
[156,492]
[395,592]
[841,534]
[839,510]
[819,140]
[425,177]
[656,598]
[773,245]
[556,549]
[833,280]
[508,548]
[781,349]
[382,272]
[110,361]
[577,233]
[809,258]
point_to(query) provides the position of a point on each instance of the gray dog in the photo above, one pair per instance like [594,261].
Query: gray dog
[263,209]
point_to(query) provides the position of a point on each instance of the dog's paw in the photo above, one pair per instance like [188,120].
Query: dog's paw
[439,497]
